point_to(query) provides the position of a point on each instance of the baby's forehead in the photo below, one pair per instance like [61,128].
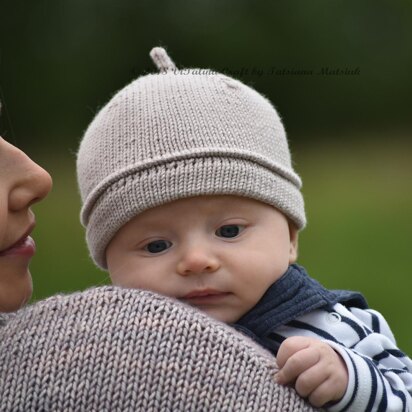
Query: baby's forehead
[208,204]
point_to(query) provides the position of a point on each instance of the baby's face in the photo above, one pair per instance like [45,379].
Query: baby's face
[228,248]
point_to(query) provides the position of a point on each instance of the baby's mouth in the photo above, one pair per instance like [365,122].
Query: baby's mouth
[205,296]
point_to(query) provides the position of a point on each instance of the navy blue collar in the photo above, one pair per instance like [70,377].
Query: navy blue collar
[291,296]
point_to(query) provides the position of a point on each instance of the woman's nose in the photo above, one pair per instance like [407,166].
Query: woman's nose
[31,184]
[197,260]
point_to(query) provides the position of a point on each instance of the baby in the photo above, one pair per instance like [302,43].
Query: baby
[188,190]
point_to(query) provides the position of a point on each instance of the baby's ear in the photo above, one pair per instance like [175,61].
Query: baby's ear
[293,247]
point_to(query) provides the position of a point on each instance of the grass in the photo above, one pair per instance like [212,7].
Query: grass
[358,203]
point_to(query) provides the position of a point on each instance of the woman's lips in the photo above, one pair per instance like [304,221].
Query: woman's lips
[24,247]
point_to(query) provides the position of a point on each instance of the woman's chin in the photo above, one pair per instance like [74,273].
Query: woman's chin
[15,290]
[13,303]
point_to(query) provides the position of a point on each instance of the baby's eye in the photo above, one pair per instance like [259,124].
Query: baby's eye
[229,230]
[156,246]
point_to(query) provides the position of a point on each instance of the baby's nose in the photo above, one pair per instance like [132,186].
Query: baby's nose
[197,260]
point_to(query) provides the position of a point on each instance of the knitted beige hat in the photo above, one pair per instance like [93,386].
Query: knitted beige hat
[178,134]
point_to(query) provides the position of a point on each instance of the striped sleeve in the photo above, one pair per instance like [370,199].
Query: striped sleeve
[380,375]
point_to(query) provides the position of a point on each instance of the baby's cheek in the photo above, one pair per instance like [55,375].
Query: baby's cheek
[152,279]
[124,277]
[246,295]
[116,281]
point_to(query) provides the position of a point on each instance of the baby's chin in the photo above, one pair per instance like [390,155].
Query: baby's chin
[219,314]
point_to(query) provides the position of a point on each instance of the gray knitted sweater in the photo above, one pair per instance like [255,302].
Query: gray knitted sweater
[114,349]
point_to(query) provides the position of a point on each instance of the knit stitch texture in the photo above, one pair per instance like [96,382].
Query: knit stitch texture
[113,349]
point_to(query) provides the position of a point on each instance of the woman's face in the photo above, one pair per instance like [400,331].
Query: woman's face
[22,183]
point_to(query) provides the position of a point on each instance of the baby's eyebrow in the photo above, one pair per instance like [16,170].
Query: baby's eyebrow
[160,223]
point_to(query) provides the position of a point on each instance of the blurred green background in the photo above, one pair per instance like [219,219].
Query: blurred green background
[350,134]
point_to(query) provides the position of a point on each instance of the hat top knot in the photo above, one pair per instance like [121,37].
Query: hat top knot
[161,59]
